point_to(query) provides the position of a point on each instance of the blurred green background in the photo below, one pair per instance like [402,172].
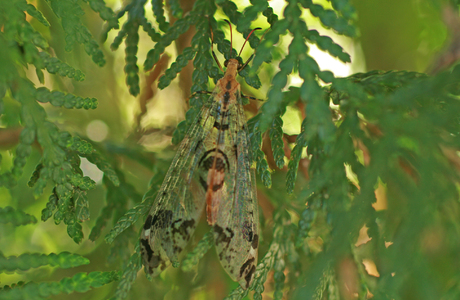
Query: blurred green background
[393,35]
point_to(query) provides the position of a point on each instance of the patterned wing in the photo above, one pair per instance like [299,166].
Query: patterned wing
[180,200]
[236,227]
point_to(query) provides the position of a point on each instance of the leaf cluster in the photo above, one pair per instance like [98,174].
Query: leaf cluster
[385,139]
[22,46]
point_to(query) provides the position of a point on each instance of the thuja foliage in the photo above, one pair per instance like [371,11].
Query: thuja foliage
[22,47]
[375,150]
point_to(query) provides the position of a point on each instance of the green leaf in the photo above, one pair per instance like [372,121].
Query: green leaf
[158,11]
[293,165]
[181,61]
[80,282]
[69,13]
[103,165]
[276,137]
[17,217]
[50,208]
[81,205]
[275,97]
[117,199]
[176,10]
[106,13]
[174,31]
[255,137]
[54,66]
[250,14]
[330,19]
[270,39]
[27,261]
[68,101]
[129,218]
[31,10]
[327,44]
[74,229]
[128,275]
[345,8]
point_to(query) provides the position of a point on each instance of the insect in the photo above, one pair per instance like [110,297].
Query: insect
[211,168]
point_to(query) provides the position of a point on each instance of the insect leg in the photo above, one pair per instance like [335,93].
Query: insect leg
[251,98]
[198,93]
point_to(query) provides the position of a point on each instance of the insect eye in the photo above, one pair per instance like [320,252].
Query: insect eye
[226,63]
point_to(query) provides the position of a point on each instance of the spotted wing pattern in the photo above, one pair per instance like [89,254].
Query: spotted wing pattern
[236,227]
[179,202]
[212,166]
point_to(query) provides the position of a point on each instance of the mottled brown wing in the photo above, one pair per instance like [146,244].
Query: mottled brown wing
[236,227]
[180,200]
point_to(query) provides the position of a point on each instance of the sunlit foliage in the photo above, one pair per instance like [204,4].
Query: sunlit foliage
[363,202]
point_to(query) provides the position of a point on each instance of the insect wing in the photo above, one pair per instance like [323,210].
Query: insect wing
[180,200]
[236,228]
[213,166]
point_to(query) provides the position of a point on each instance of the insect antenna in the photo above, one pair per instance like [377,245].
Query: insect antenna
[249,59]
[231,38]
[212,51]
